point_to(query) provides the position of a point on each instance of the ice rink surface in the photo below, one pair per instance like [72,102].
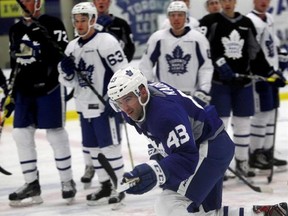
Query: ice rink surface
[235,192]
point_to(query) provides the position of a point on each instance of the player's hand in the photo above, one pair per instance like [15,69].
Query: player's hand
[224,70]
[8,106]
[149,174]
[202,98]
[108,110]
[103,21]
[280,80]
[68,65]
[283,58]
[37,32]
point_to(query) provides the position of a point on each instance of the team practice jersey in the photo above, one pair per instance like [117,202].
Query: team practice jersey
[234,39]
[183,62]
[96,59]
[36,55]
[176,126]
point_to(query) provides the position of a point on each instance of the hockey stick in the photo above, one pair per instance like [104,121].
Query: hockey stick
[270,176]
[108,168]
[5,172]
[253,187]
[257,77]
[128,144]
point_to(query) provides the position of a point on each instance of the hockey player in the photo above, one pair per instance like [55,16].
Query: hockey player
[36,43]
[117,26]
[91,60]
[189,21]
[189,148]
[181,56]
[213,6]
[121,30]
[263,122]
[234,50]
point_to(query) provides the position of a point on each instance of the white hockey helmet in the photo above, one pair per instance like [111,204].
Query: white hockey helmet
[177,6]
[85,8]
[125,81]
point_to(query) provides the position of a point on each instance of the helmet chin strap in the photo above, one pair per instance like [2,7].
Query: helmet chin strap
[143,106]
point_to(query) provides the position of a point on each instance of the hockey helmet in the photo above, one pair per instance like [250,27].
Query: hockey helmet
[125,81]
[85,8]
[177,6]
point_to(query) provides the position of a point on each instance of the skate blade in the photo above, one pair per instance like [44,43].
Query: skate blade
[117,206]
[102,201]
[87,185]
[70,201]
[36,200]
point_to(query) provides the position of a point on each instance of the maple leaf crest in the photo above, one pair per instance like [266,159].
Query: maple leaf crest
[178,61]
[233,45]
[86,71]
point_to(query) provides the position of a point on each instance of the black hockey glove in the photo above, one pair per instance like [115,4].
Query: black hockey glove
[283,58]
[68,66]
[149,174]
[202,98]
[280,80]
[38,33]
[8,106]
[103,21]
[108,110]
[224,70]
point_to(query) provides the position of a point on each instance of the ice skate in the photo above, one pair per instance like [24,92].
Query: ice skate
[97,197]
[86,179]
[271,210]
[68,191]
[242,168]
[27,195]
[259,160]
[116,200]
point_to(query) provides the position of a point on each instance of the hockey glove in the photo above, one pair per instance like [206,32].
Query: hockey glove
[283,59]
[202,98]
[108,110]
[224,70]
[149,174]
[8,106]
[68,66]
[103,21]
[280,80]
[38,33]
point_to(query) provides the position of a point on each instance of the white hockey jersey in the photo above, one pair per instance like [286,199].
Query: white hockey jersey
[266,36]
[97,60]
[183,62]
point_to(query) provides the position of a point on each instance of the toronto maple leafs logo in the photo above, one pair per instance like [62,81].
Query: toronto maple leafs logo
[178,61]
[86,72]
[28,51]
[233,45]
[129,73]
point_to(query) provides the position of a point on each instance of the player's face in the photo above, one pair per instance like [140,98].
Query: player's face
[213,6]
[228,7]
[81,24]
[261,5]
[131,106]
[177,20]
[30,6]
[102,6]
